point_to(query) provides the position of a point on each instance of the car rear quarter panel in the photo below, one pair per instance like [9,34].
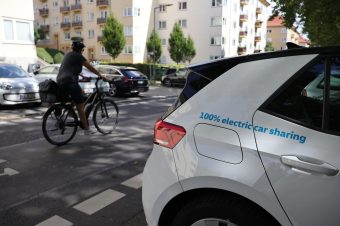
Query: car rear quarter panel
[234,96]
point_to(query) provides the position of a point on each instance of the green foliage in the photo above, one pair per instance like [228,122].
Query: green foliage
[320,19]
[177,44]
[113,37]
[154,46]
[189,50]
[38,35]
[269,47]
[50,55]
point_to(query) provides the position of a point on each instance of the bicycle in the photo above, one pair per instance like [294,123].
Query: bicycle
[60,121]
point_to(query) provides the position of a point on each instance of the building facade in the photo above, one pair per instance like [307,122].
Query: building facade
[16,32]
[278,34]
[219,28]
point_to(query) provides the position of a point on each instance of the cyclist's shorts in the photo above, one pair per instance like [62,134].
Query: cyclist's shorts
[74,90]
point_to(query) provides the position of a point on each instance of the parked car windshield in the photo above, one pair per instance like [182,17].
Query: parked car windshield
[132,73]
[12,71]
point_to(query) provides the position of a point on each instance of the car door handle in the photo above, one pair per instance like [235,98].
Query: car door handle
[309,164]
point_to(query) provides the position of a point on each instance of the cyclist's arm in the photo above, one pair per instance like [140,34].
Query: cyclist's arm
[92,69]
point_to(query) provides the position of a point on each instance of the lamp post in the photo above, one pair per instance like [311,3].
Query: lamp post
[154,32]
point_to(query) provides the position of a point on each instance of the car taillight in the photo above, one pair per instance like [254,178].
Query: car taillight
[125,79]
[167,135]
[304,92]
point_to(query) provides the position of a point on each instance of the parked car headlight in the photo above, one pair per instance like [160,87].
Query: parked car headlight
[6,86]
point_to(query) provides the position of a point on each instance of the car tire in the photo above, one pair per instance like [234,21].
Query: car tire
[167,82]
[217,209]
[112,90]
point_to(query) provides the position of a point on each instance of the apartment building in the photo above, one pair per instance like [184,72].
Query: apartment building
[278,34]
[63,19]
[219,28]
[16,32]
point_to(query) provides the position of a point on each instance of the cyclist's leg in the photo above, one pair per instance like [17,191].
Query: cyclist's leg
[82,115]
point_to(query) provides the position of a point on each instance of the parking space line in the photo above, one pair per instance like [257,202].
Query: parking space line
[55,221]
[134,182]
[98,202]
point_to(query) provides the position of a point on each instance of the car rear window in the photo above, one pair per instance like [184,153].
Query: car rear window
[132,73]
[198,77]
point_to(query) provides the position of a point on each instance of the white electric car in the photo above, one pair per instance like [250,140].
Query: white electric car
[244,145]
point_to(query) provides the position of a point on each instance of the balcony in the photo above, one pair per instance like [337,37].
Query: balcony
[257,38]
[243,34]
[43,12]
[103,3]
[101,20]
[241,50]
[64,9]
[77,24]
[45,28]
[65,25]
[258,10]
[99,38]
[243,17]
[244,2]
[76,7]
[258,24]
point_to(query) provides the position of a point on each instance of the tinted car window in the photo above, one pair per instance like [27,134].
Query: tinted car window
[132,73]
[10,71]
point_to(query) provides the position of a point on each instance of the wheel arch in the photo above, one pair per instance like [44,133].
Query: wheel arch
[171,208]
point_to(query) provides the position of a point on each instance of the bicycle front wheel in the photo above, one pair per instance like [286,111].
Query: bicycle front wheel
[60,124]
[105,116]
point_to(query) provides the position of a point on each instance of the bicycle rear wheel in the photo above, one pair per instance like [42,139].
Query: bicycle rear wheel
[105,116]
[60,124]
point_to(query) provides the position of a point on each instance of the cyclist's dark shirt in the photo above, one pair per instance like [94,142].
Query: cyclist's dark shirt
[70,68]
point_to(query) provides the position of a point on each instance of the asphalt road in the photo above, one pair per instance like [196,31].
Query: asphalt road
[93,180]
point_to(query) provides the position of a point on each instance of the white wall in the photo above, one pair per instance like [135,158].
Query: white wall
[16,51]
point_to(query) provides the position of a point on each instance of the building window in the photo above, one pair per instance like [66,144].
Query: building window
[78,33]
[216,3]
[128,49]
[66,3]
[182,5]
[128,30]
[66,19]
[90,16]
[90,1]
[216,21]
[56,21]
[19,31]
[215,41]
[283,39]
[90,33]
[103,51]
[67,36]
[283,30]
[183,23]
[77,18]
[223,40]
[163,60]
[132,12]
[234,25]
[234,42]
[55,4]
[162,25]
[269,30]
[103,14]
[164,41]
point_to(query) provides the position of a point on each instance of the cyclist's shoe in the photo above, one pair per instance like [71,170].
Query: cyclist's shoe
[89,131]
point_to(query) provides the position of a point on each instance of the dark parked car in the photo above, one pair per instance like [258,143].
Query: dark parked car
[175,77]
[124,80]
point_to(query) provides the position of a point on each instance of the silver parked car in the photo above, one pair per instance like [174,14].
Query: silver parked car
[16,86]
[86,78]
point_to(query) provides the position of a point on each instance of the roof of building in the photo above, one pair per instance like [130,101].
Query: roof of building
[303,40]
[276,22]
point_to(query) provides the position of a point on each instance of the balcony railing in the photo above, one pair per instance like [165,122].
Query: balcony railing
[76,7]
[243,17]
[243,34]
[64,9]
[99,38]
[241,50]
[77,24]
[102,3]
[101,20]
[244,2]
[45,28]
[65,25]
[258,10]
[257,38]
[258,24]
[43,12]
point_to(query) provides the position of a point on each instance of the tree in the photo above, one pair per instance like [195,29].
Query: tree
[177,43]
[190,51]
[154,46]
[38,35]
[269,47]
[320,20]
[113,37]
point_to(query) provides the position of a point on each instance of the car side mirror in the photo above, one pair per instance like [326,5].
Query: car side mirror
[35,72]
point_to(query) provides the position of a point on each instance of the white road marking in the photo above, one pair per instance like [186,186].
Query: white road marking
[134,182]
[99,201]
[9,172]
[55,221]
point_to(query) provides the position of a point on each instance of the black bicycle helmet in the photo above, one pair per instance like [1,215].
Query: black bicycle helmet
[77,45]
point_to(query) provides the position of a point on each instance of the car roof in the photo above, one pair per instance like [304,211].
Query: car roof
[116,67]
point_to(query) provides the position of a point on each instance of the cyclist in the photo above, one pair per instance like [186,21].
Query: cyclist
[68,76]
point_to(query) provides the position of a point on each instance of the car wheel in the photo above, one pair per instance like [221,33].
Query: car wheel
[112,90]
[167,82]
[214,209]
